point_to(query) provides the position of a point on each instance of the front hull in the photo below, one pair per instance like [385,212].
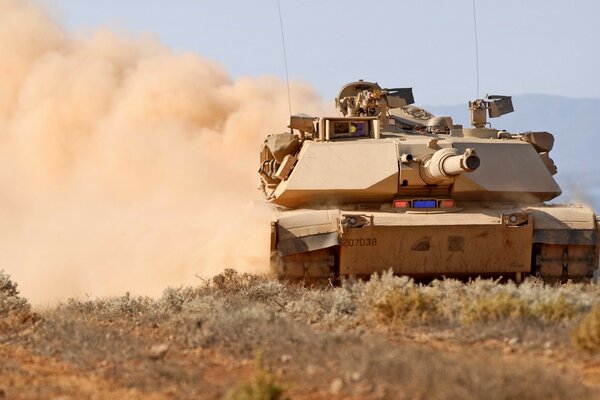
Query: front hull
[555,242]
[436,250]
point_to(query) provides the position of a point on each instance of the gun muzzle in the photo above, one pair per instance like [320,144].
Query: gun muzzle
[446,164]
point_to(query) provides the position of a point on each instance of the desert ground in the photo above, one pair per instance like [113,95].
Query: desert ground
[242,336]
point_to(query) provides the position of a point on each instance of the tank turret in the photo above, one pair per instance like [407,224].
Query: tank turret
[386,184]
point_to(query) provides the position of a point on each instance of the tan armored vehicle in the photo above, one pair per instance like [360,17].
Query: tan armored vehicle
[389,185]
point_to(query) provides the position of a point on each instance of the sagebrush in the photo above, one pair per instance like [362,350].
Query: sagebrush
[10,301]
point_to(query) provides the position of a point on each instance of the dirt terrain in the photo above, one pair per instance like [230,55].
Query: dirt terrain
[248,337]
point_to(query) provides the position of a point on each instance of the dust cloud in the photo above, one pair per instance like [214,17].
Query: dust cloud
[125,166]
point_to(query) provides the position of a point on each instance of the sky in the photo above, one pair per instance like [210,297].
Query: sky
[534,46]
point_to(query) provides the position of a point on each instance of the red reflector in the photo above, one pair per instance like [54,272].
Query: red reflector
[447,203]
[401,204]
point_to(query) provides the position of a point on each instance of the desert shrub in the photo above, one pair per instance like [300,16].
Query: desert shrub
[331,307]
[379,285]
[10,301]
[587,334]
[230,281]
[554,309]
[494,307]
[244,329]
[343,302]
[267,291]
[387,298]
[112,307]
[175,299]
[310,308]
[241,289]
[407,305]
[485,300]
[557,304]
[262,386]
[203,305]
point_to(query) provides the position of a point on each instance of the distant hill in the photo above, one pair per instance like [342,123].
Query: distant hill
[575,123]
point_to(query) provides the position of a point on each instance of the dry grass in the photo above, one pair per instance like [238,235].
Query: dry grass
[356,336]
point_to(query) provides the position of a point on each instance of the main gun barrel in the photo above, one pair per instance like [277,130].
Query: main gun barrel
[446,164]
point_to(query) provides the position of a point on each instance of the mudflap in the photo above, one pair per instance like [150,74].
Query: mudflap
[310,259]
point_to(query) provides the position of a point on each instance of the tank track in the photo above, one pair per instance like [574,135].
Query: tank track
[559,263]
[315,268]
[553,263]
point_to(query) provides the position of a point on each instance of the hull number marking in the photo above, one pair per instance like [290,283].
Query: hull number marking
[359,242]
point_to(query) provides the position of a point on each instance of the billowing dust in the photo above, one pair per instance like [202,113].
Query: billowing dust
[123,165]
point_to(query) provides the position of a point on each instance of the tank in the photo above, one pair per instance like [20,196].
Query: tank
[388,185]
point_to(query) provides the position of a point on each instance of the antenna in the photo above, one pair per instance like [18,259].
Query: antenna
[476,48]
[287,76]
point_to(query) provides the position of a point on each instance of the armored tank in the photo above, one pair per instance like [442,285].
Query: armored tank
[388,185]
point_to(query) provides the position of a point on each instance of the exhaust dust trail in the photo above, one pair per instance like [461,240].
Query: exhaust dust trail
[125,166]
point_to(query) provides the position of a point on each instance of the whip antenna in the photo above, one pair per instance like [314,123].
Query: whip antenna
[476,48]
[287,76]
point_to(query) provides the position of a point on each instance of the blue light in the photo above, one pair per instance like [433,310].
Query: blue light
[424,204]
